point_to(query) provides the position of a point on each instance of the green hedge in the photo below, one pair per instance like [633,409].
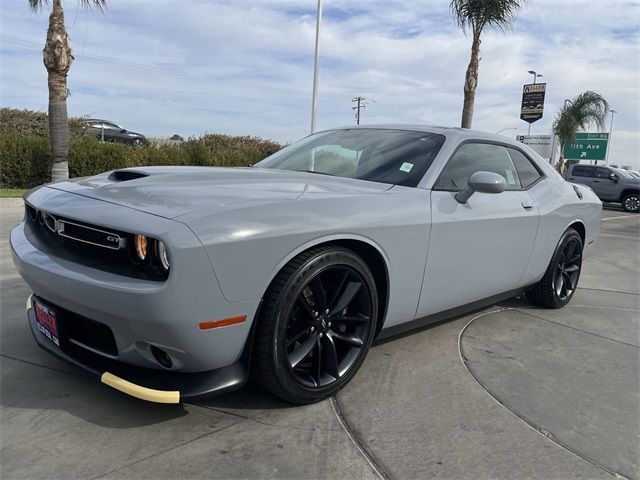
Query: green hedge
[25,159]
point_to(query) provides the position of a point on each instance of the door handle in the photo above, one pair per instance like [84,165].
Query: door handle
[596,181]
[527,204]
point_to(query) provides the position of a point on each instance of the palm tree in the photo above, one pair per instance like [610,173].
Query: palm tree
[577,114]
[475,15]
[57,60]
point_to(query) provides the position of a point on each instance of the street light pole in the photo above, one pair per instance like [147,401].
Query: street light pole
[536,75]
[606,158]
[314,95]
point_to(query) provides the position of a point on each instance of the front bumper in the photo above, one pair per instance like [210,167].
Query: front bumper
[147,384]
[140,314]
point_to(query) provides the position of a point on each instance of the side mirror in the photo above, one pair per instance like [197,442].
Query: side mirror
[614,177]
[122,130]
[483,182]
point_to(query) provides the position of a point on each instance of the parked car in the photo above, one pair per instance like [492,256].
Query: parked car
[171,283]
[110,132]
[609,183]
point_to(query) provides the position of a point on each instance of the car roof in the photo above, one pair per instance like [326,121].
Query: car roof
[99,120]
[460,133]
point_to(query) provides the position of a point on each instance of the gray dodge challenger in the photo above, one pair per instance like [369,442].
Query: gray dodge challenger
[175,283]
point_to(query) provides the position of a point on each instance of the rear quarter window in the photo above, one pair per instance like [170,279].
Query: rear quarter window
[579,171]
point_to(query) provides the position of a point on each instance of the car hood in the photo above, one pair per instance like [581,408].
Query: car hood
[174,191]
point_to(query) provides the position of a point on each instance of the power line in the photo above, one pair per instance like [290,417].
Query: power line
[12,42]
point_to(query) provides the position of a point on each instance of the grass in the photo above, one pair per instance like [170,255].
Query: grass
[11,192]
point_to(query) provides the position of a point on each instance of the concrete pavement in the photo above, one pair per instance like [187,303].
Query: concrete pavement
[415,410]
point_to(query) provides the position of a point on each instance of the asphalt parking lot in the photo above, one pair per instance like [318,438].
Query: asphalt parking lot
[511,392]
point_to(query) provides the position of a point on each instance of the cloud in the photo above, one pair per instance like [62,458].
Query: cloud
[245,67]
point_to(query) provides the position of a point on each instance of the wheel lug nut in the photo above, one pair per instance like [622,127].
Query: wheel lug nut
[317,314]
[329,324]
[327,311]
[313,329]
[320,335]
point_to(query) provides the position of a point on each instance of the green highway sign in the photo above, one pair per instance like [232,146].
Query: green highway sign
[586,146]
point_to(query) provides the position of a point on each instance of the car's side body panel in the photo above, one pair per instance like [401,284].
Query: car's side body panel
[561,207]
[477,249]
[249,246]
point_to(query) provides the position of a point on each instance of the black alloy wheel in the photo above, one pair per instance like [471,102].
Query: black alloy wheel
[328,326]
[560,280]
[317,324]
[568,267]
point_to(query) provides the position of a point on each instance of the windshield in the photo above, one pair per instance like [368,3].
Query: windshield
[398,157]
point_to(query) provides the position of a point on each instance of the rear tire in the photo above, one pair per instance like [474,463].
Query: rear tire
[631,203]
[316,325]
[560,280]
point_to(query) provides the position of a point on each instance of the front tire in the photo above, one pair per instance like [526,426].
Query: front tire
[560,280]
[631,203]
[316,325]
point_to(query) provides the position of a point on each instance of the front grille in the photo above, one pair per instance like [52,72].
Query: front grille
[78,329]
[90,235]
[85,244]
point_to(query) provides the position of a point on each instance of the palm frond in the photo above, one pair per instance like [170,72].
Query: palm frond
[476,14]
[90,4]
[588,108]
[36,5]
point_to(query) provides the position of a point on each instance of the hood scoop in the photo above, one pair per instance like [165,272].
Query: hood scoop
[126,175]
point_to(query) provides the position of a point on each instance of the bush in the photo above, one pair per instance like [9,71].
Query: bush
[27,122]
[25,159]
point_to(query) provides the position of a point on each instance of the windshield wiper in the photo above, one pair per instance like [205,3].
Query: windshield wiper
[319,173]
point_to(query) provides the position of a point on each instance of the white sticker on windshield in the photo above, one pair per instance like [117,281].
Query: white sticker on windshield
[406,167]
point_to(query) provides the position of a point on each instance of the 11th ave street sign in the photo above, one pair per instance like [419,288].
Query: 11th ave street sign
[587,146]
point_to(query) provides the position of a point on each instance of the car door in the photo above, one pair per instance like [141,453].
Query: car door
[112,132]
[585,175]
[607,188]
[481,248]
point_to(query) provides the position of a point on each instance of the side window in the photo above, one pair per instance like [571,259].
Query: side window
[476,157]
[602,173]
[527,171]
[579,171]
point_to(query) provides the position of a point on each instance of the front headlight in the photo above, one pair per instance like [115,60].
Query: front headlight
[141,247]
[149,254]
[162,256]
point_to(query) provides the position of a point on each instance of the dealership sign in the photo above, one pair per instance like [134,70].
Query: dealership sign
[541,144]
[586,146]
[532,102]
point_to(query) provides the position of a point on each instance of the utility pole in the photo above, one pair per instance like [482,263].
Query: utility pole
[536,75]
[314,95]
[606,158]
[359,101]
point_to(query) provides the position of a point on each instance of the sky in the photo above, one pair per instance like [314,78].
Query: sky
[245,67]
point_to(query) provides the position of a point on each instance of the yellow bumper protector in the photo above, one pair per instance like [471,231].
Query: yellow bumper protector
[143,393]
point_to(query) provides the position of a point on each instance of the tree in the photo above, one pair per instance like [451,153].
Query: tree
[57,60]
[577,114]
[474,16]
